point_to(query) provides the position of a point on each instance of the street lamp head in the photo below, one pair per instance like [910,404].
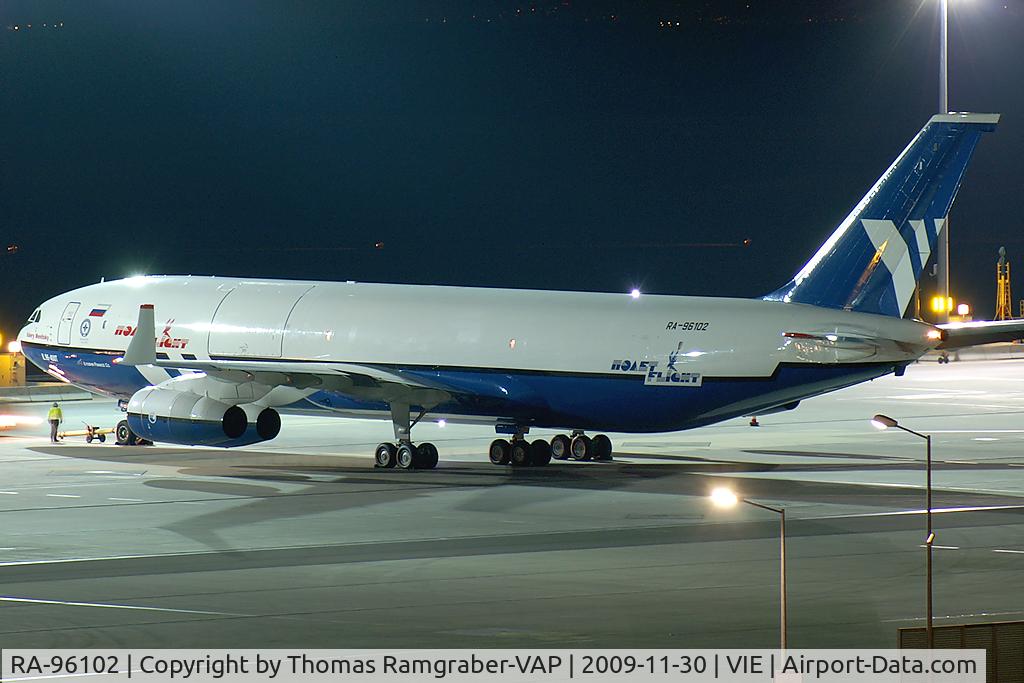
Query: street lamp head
[883,422]
[724,498]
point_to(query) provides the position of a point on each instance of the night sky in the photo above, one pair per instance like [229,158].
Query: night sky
[554,144]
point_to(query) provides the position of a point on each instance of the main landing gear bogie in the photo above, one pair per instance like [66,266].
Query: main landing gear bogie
[403,454]
[581,447]
[406,456]
[520,452]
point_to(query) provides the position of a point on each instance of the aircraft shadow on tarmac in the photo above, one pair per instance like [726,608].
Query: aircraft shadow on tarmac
[307,487]
[685,476]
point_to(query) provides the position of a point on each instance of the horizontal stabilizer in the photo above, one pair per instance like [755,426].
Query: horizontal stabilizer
[959,335]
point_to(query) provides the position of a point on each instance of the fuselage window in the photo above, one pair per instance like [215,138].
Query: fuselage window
[36,314]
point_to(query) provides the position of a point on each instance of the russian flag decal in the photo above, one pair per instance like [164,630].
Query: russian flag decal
[99,311]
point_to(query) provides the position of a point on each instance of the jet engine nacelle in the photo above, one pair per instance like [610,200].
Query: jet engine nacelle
[180,417]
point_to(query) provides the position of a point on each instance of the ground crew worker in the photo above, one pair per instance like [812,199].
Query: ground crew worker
[55,416]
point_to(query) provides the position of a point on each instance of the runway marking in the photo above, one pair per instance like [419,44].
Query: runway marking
[8,493]
[941,547]
[1015,552]
[68,603]
[61,495]
[128,500]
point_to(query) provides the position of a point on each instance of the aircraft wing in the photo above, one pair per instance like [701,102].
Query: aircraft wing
[959,335]
[360,381]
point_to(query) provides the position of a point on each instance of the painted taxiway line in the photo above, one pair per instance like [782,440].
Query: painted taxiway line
[104,605]
[954,616]
[935,511]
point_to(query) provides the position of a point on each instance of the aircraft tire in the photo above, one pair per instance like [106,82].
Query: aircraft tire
[426,454]
[384,456]
[540,453]
[602,447]
[405,456]
[560,447]
[123,434]
[520,453]
[581,448]
[500,452]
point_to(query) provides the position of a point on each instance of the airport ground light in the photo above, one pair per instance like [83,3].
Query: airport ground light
[883,422]
[726,498]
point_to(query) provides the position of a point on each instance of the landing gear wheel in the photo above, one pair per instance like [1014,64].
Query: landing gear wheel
[123,434]
[581,448]
[500,452]
[405,456]
[384,456]
[560,447]
[540,453]
[520,453]
[426,456]
[602,447]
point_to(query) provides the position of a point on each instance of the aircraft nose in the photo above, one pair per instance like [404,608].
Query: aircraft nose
[23,334]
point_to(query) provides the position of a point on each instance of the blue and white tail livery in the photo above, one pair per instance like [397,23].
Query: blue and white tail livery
[873,260]
[213,361]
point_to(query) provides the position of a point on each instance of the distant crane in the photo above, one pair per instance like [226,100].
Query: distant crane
[1004,310]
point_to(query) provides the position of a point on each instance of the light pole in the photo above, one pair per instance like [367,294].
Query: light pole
[942,259]
[884,422]
[724,498]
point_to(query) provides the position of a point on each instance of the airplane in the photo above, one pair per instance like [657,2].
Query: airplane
[215,360]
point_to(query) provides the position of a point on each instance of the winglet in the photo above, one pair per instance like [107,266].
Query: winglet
[142,347]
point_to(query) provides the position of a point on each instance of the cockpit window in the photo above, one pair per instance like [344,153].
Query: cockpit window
[36,315]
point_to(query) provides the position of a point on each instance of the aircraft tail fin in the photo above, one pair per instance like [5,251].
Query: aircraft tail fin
[873,260]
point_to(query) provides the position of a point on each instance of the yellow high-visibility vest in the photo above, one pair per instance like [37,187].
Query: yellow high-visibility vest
[55,414]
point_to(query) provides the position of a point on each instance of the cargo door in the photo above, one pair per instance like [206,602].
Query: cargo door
[251,320]
[67,321]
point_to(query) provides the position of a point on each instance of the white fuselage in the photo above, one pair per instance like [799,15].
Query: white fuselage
[556,359]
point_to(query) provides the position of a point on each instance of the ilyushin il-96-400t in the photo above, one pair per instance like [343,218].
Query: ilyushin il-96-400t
[214,361]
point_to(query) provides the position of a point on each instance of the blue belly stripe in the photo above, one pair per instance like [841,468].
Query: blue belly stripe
[617,403]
